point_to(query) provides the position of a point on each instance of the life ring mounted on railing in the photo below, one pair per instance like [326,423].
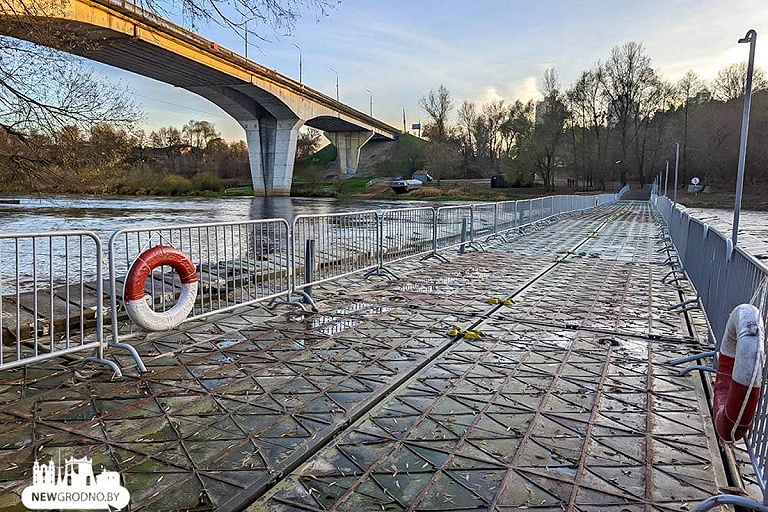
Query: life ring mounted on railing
[739,373]
[133,292]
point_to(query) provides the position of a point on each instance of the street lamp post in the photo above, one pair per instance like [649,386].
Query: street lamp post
[750,38]
[300,65]
[370,102]
[337,82]
[677,165]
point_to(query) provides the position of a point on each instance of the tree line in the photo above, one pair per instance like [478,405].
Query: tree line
[107,159]
[619,121]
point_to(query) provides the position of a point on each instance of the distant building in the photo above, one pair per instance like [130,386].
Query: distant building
[703,96]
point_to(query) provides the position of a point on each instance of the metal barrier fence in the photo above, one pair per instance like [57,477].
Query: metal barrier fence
[723,277]
[406,233]
[453,227]
[237,263]
[484,220]
[52,283]
[507,217]
[332,246]
[51,297]
[537,210]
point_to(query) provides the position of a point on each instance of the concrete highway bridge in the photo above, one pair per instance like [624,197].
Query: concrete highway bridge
[271,107]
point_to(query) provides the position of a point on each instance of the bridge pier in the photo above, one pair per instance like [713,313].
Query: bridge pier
[348,145]
[271,154]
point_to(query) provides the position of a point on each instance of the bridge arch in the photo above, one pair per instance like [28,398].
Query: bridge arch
[268,105]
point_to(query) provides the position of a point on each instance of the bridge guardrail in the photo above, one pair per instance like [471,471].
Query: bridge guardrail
[723,277]
[50,296]
[200,42]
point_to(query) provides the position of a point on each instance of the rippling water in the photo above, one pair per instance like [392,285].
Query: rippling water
[25,262]
[107,215]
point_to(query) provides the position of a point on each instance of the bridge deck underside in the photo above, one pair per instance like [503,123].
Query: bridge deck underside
[562,400]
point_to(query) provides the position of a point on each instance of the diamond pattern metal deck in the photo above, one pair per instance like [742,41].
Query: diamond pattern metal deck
[559,400]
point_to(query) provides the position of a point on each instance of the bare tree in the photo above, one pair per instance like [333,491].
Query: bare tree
[588,113]
[632,88]
[467,120]
[199,133]
[165,137]
[545,143]
[438,104]
[549,82]
[516,127]
[308,142]
[731,81]
[685,97]
[516,162]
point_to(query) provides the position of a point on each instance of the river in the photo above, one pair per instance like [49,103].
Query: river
[104,216]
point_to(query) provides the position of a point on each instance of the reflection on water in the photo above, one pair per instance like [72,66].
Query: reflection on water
[271,208]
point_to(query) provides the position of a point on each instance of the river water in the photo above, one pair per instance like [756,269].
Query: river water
[104,216]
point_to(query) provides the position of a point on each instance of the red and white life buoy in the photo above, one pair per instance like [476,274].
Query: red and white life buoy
[133,293]
[739,373]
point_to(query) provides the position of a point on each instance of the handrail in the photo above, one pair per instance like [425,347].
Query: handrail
[723,277]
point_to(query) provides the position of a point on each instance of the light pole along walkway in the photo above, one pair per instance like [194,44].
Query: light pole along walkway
[415,394]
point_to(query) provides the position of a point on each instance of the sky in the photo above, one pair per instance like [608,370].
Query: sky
[481,50]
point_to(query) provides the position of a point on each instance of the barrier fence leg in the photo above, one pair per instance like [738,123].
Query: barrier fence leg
[309,270]
[474,244]
[309,275]
[463,235]
[434,253]
[380,269]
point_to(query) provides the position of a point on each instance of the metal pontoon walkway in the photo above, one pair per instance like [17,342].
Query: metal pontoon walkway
[410,394]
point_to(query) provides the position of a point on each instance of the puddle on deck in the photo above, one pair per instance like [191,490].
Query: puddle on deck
[338,321]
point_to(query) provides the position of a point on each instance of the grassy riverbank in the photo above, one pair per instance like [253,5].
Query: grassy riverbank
[445,190]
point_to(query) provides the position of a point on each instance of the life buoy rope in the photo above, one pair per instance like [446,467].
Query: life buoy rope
[739,373]
[133,292]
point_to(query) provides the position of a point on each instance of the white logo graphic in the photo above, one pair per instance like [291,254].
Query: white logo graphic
[74,487]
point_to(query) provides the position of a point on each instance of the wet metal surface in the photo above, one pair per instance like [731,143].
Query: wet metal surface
[558,399]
